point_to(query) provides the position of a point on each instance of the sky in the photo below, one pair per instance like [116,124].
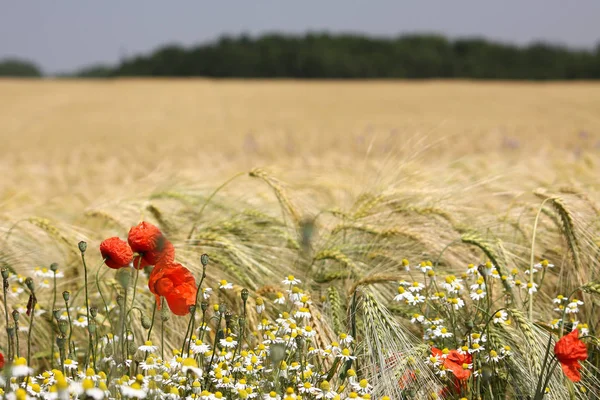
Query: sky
[64,35]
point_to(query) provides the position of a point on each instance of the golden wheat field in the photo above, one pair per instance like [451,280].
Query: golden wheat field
[335,183]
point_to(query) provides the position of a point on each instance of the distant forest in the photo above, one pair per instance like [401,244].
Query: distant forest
[348,57]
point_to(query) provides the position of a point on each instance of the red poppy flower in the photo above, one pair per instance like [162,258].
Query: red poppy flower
[116,252]
[145,237]
[1,360]
[148,241]
[569,350]
[459,364]
[176,284]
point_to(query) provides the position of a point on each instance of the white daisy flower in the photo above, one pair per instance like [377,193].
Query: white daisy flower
[345,355]
[477,294]
[133,391]
[416,299]
[291,280]
[532,287]
[81,322]
[70,364]
[206,293]
[198,347]
[416,287]
[148,347]
[441,331]
[543,264]
[280,298]
[228,342]
[500,317]
[223,284]
[302,312]
[346,339]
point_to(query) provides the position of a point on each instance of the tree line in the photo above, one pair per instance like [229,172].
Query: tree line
[322,55]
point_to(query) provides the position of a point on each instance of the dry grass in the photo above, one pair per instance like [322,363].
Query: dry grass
[381,171]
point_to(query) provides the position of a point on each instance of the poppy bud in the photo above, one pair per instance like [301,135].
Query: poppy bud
[4,273]
[29,283]
[204,306]
[66,295]
[54,267]
[228,316]
[10,330]
[277,352]
[120,300]
[92,327]
[60,342]
[56,313]
[146,322]
[164,314]
[82,246]
[244,295]
[204,259]
[108,349]
[192,309]
[63,326]
[123,277]
[93,311]
[16,315]
[223,307]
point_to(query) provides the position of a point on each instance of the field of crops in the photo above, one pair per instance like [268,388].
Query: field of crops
[376,196]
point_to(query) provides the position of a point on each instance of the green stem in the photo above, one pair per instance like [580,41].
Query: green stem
[52,322]
[71,350]
[87,309]
[30,331]
[152,323]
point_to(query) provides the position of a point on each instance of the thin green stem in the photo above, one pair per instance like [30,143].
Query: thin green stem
[87,309]
[30,330]
[52,320]
[152,323]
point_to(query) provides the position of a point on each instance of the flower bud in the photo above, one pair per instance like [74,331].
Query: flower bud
[93,311]
[82,246]
[56,313]
[192,309]
[54,267]
[4,273]
[92,327]
[60,342]
[146,322]
[223,307]
[164,314]
[29,284]
[63,326]
[204,259]
[16,315]
[10,330]
[108,349]
[131,347]
[120,300]
[244,295]
[66,295]
[277,352]
[204,306]
[123,277]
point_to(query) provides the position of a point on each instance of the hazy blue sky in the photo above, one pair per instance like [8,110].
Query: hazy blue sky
[62,35]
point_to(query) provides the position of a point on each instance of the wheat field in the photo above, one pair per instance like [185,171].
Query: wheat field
[334,182]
